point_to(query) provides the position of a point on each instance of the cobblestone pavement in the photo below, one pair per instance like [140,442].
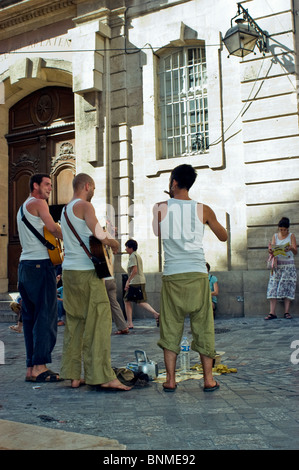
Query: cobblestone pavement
[256,408]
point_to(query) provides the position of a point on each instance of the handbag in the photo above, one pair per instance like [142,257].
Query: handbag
[271,261]
[134,293]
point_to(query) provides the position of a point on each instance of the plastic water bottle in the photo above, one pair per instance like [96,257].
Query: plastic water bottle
[185,355]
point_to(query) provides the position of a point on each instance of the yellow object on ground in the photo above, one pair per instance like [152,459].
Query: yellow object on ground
[218,369]
[196,371]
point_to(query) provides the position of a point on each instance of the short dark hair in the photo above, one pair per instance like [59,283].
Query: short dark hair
[284,222]
[132,244]
[185,175]
[37,178]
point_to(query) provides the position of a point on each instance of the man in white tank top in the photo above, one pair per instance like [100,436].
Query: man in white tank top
[185,284]
[37,282]
[88,314]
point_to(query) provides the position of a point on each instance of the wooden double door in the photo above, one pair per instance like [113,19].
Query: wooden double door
[41,139]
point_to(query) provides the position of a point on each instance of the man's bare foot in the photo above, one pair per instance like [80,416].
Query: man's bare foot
[28,376]
[76,383]
[115,384]
[39,369]
[16,328]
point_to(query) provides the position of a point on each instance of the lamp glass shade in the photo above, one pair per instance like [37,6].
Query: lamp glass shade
[241,40]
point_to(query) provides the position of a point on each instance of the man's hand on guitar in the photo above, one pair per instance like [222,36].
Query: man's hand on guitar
[113,244]
[106,238]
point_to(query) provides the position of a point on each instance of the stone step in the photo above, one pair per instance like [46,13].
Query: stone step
[6,314]
[8,317]
[4,304]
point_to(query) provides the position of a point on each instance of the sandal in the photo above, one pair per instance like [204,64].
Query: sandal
[47,376]
[288,316]
[122,332]
[270,317]
[212,389]
[169,389]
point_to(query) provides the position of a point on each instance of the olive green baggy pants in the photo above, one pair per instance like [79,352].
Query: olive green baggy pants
[182,295]
[88,328]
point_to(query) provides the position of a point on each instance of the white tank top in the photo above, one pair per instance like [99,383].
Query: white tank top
[75,257]
[182,235]
[289,256]
[32,248]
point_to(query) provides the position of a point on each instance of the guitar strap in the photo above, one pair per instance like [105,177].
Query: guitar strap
[42,239]
[90,256]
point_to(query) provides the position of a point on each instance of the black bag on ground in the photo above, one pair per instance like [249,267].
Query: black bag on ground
[129,377]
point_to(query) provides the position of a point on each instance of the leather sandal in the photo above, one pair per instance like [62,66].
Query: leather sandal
[270,317]
[122,332]
[47,376]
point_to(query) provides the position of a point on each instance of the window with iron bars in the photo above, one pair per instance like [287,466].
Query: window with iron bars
[183,102]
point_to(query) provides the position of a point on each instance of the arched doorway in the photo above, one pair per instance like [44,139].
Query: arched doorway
[41,139]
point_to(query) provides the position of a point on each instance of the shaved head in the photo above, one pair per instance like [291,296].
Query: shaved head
[80,180]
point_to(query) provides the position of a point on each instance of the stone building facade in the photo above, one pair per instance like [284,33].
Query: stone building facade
[126,90]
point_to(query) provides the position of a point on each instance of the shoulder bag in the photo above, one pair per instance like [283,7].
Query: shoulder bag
[100,255]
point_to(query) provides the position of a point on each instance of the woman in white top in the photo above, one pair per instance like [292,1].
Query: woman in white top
[282,282]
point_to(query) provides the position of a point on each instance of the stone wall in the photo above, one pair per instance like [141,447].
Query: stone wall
[109,52]
[241,294]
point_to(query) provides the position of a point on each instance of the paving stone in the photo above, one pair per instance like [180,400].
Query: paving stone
[254,409]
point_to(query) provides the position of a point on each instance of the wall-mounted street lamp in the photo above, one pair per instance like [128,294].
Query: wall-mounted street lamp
[241,39]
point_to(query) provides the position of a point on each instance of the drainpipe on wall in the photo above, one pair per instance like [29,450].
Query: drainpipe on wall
[108,150]
[223,166]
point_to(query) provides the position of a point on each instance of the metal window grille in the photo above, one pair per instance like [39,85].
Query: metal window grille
[184,103]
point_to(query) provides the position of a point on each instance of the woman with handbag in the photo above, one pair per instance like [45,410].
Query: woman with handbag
[282,282]
[135,285]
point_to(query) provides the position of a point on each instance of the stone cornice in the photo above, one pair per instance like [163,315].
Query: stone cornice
[31,11]
[102,14]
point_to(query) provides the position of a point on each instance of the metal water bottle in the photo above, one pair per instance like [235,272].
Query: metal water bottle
[185,355]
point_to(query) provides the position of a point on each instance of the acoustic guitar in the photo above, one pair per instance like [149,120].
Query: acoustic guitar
[104,255]
[56,255]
